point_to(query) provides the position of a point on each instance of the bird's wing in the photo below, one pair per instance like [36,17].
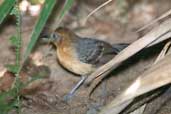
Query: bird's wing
[93,51]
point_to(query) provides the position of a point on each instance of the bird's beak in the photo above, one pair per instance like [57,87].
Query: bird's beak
[45,37]
[50,38]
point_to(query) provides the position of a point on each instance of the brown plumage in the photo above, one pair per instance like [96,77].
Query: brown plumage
[81,55]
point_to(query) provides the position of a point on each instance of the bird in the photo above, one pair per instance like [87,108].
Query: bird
[81,55]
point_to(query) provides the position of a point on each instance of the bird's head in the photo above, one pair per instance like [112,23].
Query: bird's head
[58,35]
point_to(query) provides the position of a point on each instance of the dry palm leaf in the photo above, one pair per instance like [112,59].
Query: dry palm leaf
[141,109]
[157,35]
[158,75]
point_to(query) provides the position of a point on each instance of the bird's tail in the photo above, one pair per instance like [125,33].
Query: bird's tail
[119,47]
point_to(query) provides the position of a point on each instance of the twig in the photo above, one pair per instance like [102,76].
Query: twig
[95,10]
[156,20]
[163,52]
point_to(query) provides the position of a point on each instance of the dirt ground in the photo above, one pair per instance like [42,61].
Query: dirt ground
[109,24]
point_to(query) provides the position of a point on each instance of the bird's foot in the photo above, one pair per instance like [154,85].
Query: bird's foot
[72,92]
[68,97]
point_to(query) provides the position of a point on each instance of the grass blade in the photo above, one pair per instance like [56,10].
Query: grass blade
[47,9]
[5,8]
[67,5]
[66,8]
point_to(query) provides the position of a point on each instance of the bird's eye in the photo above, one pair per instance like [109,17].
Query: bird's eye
[54,36]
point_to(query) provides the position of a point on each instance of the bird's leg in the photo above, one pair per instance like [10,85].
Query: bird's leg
[72,92]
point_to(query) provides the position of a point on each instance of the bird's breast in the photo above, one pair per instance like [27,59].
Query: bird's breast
[68,58]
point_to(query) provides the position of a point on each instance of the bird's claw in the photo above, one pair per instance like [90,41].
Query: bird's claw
[68,97]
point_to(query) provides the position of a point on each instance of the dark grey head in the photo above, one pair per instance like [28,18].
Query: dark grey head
[59,34]
[50,37]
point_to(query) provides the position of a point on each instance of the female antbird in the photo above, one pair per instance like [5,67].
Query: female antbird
[81,56]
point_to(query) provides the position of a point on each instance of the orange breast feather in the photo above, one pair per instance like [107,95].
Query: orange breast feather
[67,56]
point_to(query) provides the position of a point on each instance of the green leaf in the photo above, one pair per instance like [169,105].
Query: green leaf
[5,8]
[8,100]
[12,68]
[14,41]
[36,1]
[47,9]
[16,12]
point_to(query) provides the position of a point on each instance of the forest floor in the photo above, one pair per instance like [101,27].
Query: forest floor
[112,24]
